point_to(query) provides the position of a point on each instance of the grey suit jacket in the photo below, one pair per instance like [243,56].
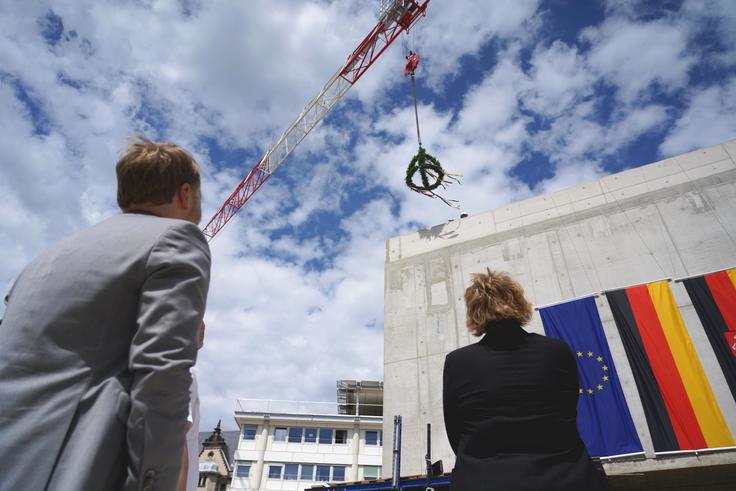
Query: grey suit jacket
[95,348]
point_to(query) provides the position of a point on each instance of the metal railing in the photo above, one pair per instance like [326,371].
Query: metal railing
[273,406]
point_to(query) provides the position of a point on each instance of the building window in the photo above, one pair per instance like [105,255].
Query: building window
[341,436]
[323,473]
[274,471]
[371,437]
[295,434]
[249,432]
[279,435]
[202,481]
[371,472]
[325,435]
[338,473]
[291,472]
[307,473]
[243,469]
[310,435]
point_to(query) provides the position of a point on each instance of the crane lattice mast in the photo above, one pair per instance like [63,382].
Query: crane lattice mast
[396,16]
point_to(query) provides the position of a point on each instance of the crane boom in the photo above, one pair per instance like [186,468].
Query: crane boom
[398,16]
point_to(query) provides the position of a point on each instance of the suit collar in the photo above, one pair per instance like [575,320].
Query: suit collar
[502,333]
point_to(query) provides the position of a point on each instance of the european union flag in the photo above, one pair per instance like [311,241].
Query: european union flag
[604,421]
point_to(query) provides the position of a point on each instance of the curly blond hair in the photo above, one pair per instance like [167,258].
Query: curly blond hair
[494,296]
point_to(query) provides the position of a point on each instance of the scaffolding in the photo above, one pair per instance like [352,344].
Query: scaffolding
[360,398]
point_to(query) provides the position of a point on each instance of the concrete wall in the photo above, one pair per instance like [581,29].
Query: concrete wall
[669,219]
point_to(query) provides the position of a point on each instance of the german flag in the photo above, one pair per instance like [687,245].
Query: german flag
[678,402]
[714,299]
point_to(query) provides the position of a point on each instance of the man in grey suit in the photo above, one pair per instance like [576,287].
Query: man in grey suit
[98,337]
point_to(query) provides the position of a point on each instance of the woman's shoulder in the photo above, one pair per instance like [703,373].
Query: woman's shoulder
[462,352]
[547,343]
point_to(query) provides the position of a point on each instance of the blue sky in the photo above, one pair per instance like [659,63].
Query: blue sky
[521,97]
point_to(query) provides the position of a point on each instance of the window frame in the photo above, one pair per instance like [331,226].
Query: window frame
[345,442]
[289,434]
[332,436]
[249,427]
[301,472]
[316,435]
[375,443]
[376,468]
[316,472]
[286,434]
[240,464]
[334,467]
[273,466]
[295,474]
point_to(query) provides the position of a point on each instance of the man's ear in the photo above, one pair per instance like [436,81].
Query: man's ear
[184,196]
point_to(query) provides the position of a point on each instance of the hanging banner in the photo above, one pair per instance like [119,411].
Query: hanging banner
[678,401]
[604,421]
[714,298]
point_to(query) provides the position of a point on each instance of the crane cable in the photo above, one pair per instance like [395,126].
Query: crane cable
[425,164]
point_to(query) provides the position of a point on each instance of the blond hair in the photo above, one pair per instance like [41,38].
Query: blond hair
[494,296]
[152,172]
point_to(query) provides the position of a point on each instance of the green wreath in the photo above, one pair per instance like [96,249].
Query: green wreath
[428,167]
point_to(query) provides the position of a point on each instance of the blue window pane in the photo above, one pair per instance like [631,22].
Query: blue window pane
[325,435]
[291,472]
[371,438]
[323,473]
[249,432]
[307,473]
[310,435]
[243,470]
[274,472]
[295,434]
[338,473]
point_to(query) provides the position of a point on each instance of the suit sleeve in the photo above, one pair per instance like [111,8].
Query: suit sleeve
[171,307]
[449,405]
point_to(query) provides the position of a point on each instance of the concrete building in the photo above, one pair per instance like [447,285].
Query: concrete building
[288,445]
[669,219]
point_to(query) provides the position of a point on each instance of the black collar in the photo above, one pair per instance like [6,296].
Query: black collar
[504,334]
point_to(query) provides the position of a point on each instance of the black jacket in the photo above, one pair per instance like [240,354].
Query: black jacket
[510,404]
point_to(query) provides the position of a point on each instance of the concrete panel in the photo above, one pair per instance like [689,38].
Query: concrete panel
[535,205]
[591,202]
[730,147]
[507,213]
[666,182]
[625,179]
[626,192]
[710,169]
[659,169]
[669,219]
[585,191]
[701,157]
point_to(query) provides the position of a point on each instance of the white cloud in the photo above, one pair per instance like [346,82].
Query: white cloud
[559,77]
[634,55]
[708,119]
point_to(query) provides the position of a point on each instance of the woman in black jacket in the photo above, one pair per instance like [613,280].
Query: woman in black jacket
[510,400]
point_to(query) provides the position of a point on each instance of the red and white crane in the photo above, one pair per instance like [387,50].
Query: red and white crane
[396,17]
